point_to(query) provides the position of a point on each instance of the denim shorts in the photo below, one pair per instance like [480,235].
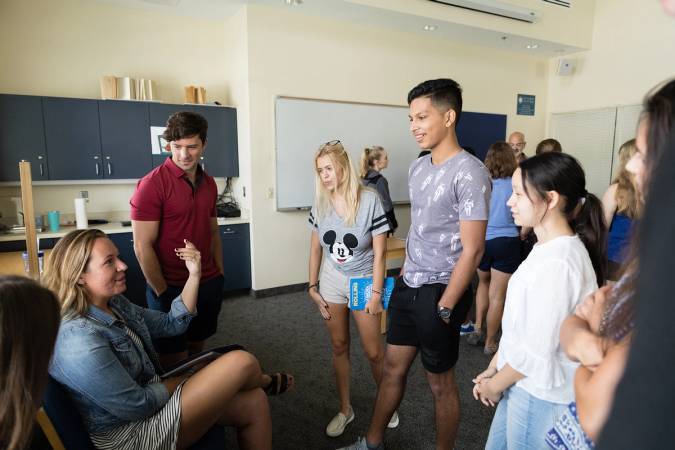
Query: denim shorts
[202,326]
[522,421]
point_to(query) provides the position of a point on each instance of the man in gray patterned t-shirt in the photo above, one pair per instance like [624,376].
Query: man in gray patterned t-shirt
[449,201]
[442,195]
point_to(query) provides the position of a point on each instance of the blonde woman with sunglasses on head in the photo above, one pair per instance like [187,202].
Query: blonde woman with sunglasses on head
[349,227]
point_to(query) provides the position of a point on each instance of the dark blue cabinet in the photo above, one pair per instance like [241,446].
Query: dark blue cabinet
[134,275]
[125,139]
[236,256]
[73,138]
[78,139]
[22,137]
[221,157]
[236,261]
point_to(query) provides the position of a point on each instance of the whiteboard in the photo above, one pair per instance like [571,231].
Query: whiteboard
[303,125]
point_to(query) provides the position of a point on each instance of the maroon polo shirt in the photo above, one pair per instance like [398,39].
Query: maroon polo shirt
[166,195]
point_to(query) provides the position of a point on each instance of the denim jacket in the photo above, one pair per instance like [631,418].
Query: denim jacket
[107,376]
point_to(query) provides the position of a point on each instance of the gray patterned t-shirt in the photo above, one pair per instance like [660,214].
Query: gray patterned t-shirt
[350,248]
[441,196]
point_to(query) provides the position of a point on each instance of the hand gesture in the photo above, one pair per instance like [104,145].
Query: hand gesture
[592,308]
[374,305]
[478,395]
[317,298]
[191,256]
[478,382]
[487,373]
[484,392]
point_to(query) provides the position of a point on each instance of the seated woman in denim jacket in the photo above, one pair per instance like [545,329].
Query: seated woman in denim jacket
[105,358]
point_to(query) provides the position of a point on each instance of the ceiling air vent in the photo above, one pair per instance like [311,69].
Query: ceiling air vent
[565,3]
[495,8]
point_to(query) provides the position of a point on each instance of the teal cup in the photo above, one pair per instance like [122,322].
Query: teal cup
[54,218]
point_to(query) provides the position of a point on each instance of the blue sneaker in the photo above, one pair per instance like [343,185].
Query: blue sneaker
[466,328]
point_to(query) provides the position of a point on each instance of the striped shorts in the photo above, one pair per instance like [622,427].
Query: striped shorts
[157,432]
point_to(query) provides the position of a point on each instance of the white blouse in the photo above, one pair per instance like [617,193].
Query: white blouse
[544,290]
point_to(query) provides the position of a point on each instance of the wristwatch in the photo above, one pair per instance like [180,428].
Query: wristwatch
[444,313]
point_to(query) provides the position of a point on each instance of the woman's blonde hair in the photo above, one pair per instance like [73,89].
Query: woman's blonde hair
[348,183]
[67,261]
[29,322]
[627,197]
[368,158]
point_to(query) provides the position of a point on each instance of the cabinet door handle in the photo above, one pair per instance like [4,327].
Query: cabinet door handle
[41,171]
[229,232]
[109,168]
[96,166]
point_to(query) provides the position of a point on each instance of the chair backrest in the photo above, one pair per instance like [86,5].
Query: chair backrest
[64,417]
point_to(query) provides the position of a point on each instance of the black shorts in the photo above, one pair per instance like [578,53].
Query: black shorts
[502,254]
[413,321]
[202,326]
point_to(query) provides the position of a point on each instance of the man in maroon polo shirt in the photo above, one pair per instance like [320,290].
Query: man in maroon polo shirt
[174,202]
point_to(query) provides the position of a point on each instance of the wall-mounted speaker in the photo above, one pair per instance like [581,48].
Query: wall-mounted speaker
[566,67]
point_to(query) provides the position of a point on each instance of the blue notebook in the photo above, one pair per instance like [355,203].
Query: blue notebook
[361,289]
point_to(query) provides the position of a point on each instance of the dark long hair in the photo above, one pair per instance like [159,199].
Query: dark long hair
[29,321]
[659,110]
[562,173]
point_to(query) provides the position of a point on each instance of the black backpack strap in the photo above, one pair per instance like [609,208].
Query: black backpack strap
[374,179]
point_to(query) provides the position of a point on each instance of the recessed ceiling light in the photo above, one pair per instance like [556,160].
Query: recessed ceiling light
[430,27]
[293,2]
[532,46]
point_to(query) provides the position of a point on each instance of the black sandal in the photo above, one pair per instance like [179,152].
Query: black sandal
[280,383]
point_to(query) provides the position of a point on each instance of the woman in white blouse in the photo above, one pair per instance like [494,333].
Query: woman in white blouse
[530,376]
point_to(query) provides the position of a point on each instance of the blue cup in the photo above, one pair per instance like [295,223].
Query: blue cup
[54,218]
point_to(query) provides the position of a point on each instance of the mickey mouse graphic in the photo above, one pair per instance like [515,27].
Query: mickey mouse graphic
[341,252]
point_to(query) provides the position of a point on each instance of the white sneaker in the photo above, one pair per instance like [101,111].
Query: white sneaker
[393,422]
[360,444]
[337,426]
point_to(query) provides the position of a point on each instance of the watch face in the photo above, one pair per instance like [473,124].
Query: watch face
[445,313]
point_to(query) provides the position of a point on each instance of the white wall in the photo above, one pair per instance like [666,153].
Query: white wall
[303,56]
[235,56]
[633,50]
[62,49]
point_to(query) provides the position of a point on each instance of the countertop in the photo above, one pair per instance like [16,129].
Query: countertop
[109,228]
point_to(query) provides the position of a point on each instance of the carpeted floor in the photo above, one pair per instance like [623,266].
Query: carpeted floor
[287,333]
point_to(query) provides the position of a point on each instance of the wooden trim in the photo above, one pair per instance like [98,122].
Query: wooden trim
[29,219]
[49,430]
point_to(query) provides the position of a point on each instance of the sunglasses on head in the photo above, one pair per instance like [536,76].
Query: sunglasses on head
[331,143]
